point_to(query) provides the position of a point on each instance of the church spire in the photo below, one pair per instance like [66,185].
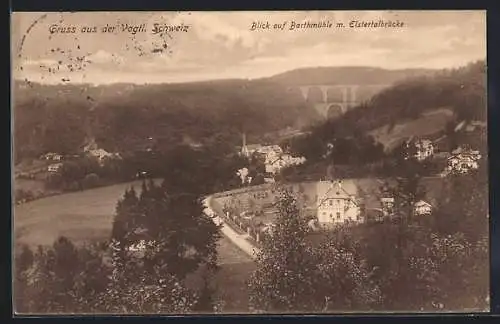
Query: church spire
[244,149]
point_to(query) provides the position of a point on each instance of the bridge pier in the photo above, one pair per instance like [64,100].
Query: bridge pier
[353,88]
[349,95]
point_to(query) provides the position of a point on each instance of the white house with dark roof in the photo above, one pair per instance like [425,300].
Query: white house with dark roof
[462,160]
[54,167]
[52,156]
[275,163]
[92,149]
[337,202]
[422,207]
[424,148]
[387,206]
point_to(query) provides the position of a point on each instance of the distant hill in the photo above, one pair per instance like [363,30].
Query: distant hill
[123,116]
[346,75]
[461,90]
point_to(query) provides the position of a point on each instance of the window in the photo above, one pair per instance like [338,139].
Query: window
[330,202]
[338,215]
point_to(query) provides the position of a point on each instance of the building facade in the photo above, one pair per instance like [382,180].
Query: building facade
[420,149]
[422,208]
[387,206]
[425,149]
[337,203]
[54,167]
[463,160]
[274,163]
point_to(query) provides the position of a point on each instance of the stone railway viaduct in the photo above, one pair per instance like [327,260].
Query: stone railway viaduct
[334,100]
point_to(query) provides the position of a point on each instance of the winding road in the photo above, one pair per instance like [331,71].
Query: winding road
[240,240]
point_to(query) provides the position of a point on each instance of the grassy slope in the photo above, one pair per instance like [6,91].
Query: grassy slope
[81,216]
[428,124]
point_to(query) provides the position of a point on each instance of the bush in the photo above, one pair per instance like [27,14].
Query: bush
[54,181]
[73,186]
[91,180]
[22,195]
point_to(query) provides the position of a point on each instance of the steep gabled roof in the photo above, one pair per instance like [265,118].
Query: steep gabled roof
[338,190]
[422,203]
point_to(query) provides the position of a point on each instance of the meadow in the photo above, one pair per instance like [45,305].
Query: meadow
[428,124]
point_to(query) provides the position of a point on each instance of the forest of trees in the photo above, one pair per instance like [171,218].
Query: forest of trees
[52,119]
[209,169]
[109,277]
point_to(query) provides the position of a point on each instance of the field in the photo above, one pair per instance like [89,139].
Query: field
[81,216]
[430,123]
[88,215]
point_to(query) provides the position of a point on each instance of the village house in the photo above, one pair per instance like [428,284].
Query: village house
[462,160]
[91,149]
[422,208]
[273,156]
[100,154]
[387,206]
[52,156]
[270,151]
[423,148]
[54,167]
[337,202]
[273,166]
[325,204]
[266,151]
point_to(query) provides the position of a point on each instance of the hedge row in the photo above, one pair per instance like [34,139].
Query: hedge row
[255,230]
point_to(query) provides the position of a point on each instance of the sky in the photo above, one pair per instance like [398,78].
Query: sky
[221,45]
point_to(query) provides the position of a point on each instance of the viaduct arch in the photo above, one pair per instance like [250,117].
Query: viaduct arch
[333,100]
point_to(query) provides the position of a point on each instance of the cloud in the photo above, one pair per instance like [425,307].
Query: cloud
[220,44]
[39,63]
[103,57]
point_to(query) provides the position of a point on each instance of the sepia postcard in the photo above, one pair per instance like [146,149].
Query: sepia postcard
[249,162]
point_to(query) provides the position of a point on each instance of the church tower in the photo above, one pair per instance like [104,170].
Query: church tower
[244,150]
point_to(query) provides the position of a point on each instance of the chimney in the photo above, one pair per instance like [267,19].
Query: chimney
[338,185]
